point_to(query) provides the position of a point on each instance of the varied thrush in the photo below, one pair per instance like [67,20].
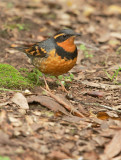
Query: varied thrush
[55,55]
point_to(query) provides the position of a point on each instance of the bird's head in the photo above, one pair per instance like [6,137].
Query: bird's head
[65,39]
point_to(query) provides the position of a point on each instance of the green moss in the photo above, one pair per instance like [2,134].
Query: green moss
[12,78]
[32,76]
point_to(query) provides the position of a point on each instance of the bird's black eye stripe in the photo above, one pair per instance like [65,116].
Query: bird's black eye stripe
[62,38]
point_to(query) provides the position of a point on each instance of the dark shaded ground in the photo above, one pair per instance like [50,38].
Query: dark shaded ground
[39,133]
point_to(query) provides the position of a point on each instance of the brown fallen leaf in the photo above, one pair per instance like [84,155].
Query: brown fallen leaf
[78,120]
[3,137]
[65,105]
[58,155]
[4,103]
[48,102]
[116,35]
[114,146]
[3,116]
[92,155]
[106,116]
[95,93]
[117,158]
[103,115]
[104,38]
[113,10]
[83,110]
[99,140]
[20,100]
[15,122]
[88,10]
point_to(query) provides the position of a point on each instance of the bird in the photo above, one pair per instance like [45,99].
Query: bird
[55,55]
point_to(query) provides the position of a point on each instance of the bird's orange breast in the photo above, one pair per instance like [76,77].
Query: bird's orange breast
[68,45]
[54,64]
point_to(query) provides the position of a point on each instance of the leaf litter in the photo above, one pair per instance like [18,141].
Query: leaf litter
[86,126]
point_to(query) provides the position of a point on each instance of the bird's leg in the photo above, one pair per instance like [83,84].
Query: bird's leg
[46,85]
[62,86]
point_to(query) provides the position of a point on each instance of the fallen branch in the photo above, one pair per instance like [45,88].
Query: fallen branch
[101,85]
[101,105]
[65,105]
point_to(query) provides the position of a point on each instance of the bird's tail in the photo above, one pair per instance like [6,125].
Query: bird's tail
[19,48]
[25,49]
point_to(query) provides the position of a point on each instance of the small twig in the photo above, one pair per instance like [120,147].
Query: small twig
[68,107]
[101,105]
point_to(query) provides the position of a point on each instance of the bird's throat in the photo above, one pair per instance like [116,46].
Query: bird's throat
[68,45]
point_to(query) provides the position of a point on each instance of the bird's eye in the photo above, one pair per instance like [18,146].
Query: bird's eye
[64,36]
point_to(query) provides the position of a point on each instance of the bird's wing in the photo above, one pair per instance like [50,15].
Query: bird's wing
[36,51]
[33,51]
[39,49]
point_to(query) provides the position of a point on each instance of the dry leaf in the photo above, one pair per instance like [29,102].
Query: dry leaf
[96,93]
[114,9]
[15,122]
[48,102]
[104,37]
[117,158]
[103,115]
[116,35]
[20,100]
[114,147]
[88,10]
[58,155]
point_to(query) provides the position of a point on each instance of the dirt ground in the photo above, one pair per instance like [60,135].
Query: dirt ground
[84,125]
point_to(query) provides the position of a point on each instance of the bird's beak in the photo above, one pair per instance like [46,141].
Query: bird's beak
[77,34]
